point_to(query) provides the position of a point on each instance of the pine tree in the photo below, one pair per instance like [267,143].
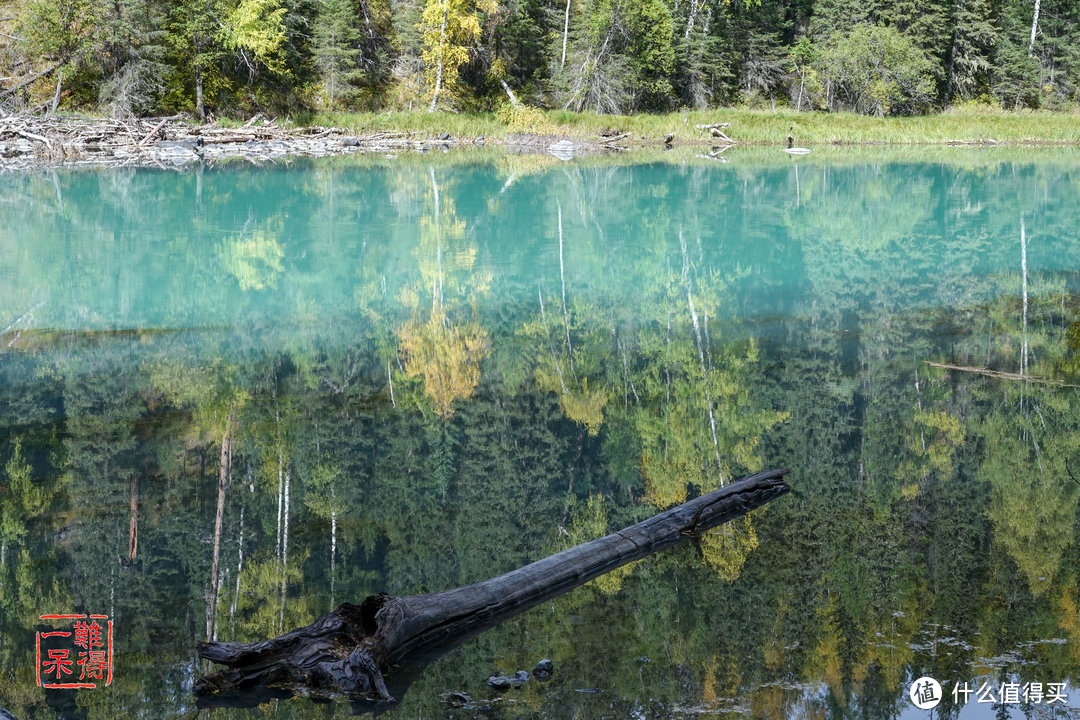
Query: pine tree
[132,62]
[831,17]
[521,45]
[195,34]
[1015,75]
[972,34]
[651,48]
[337,50]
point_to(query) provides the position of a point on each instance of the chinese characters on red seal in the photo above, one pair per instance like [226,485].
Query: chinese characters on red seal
[79,657]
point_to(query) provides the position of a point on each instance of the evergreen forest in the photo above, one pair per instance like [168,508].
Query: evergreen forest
[234,58]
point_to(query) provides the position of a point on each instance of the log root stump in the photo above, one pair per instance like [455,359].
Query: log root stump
[347,650]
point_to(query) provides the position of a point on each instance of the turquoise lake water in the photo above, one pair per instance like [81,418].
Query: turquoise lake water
[440,369]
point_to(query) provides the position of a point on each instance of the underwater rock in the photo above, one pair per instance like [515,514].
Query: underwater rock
[543,670]
[457,699]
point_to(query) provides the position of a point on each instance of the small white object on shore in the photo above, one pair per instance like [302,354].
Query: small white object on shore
[564,150]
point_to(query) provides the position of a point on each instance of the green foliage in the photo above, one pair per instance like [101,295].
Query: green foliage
[337,52]
[874,70]
[881,57]
[652,53]
[256,27]
[522,30]
[523,118]
[968,57]
[62,31]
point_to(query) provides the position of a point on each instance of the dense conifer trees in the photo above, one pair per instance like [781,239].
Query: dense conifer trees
[236,57]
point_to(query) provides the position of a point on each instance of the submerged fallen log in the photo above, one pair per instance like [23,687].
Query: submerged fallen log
[345,651]
[1000,374]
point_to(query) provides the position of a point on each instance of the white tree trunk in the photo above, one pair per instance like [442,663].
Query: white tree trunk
[693,17]
[701,358]
[285,553]
[565,31]
[280,485]
[200,109]
[1023,273]
[513,99]
[438,72]
[1034,28]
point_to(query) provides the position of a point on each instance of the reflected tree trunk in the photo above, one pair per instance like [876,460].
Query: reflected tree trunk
[223,484]
[701,357]
[133,525]
[562,279]
[1024,319]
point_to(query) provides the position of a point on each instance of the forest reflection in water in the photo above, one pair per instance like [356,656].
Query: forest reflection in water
[433,373]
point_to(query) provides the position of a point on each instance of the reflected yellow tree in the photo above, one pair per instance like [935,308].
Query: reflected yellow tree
[442,354]
[445,357]
[825,662]
[555,373]
[684,394]
[933,438]
[255,261]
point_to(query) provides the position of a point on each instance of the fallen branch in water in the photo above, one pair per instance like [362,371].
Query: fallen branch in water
[347,650]
[1000,375]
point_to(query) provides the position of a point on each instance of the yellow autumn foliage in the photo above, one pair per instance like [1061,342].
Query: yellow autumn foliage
[726,548]
[449,28]
[445,357]
[1069,616]
[254,261]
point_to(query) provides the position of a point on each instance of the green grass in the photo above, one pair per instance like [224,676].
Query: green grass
[969,124]
[459,125]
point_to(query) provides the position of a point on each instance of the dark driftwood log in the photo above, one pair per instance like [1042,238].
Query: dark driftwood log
[345,650]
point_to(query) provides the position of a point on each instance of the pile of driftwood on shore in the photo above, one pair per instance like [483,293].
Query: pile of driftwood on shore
[27,141]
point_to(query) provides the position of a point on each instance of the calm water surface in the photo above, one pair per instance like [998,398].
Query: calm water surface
[440,370]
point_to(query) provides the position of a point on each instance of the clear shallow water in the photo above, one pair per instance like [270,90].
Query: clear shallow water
[431,384]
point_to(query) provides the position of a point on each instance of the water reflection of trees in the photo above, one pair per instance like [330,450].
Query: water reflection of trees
[924,497]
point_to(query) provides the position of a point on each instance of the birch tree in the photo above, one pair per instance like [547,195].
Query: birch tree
[449,27]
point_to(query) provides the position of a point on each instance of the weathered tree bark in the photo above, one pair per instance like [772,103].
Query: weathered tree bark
[343,651]
[999,374]
[200,108]
[56,97]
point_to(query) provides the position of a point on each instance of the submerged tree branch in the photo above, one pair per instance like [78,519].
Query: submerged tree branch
[347,650]
[1000,375]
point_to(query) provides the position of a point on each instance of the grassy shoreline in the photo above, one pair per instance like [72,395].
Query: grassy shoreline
[966,125]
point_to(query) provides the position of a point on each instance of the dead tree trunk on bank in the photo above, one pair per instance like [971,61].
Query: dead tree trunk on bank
[345,650]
